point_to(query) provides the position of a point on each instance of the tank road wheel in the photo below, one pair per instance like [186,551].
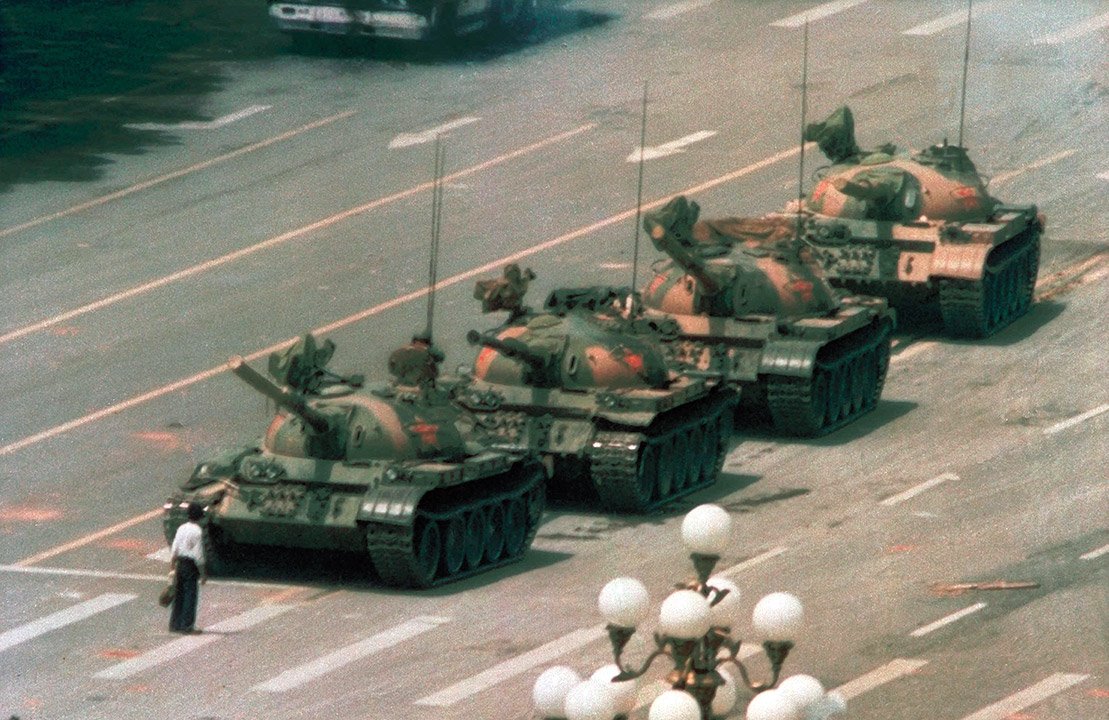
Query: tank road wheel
[515,526]
[219,552]
[710,451]
[411,563]
[454,544]
[494,533]
[860,383]
[474,545]
[427,548]
[696,457]
[646,475]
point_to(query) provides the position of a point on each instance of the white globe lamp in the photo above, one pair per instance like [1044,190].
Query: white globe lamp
[685,615]
[551,688]
[778,616]
[707,529]
[674,705]
[772,705]
[589,701]
[624,602]
[623,693]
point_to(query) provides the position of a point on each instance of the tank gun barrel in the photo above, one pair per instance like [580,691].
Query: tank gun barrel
[285,398]
[688,258]
[537,361]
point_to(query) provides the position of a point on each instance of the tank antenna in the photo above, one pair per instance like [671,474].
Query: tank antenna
[966,63]
[436,215]
[639,187]
[804,113]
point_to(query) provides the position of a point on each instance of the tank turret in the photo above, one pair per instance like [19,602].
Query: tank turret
[922,230]
[590,390]
[764,317]
[395,470]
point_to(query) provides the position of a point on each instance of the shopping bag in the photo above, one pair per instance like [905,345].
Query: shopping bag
[165,598]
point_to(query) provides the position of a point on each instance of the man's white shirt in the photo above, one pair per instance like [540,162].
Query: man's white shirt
[187,543]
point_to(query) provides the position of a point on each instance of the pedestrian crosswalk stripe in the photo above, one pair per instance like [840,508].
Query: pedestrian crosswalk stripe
[1013,704]
[60,619]
[879,676]
[344,656]
[185,645]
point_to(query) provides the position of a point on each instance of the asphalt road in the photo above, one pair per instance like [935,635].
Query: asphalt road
[281,207]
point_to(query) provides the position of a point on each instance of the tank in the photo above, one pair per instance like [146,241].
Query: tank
[394,470]
[588,387]
[750,304]
[922,230]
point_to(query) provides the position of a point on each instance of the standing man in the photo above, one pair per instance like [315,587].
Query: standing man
[187,561]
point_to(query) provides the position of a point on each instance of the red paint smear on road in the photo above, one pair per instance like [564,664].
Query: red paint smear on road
[1098,693]
[1019,716]
[117,654]
[24,513]
[64,330]
[137,688]
[900,548]
[128,544]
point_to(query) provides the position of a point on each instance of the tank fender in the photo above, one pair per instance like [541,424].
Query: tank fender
[391,504]
[790,358]
[962,262]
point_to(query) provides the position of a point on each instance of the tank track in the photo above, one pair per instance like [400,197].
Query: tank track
[628,469]
[392,547]
[979,308]
[846,383]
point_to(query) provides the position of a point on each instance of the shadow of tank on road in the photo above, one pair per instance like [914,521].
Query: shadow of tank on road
[75,73]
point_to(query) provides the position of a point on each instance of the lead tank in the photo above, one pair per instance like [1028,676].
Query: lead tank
[394,470]
[590,390]
[764,317]
[922,230]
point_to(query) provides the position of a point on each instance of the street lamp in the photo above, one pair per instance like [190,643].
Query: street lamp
[694,633]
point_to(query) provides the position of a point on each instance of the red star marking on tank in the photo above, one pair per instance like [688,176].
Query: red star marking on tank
[655,285]
[802,288]
[428,432]
[968,195]
[821,188]
[633,360]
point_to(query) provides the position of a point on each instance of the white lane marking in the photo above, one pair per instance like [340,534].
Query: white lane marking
[931,627]
[1095,553]
[206,125]
[90,538]
[918,489]
[409,139]
[515,666]
[397,301]
[162,555]
[1035,165]
[175,174]
[959,17]
[817,13]
[285,237]
[1103,176]
[913,349]
[879,676]
[104,574]
[1074,31]
[669,148]
[1060,426]
[668,12]
[60,619]
[344,656]
[754,561]
[183,646]
[1042,690]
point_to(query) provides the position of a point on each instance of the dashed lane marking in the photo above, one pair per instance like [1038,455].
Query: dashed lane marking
[1074,31]
[185,645]
[1002,178]
[1071,422]
[953,617]
[87,539]
[1042,690]
[918,489]
[384,640]
[511,668]
[105,574]
[60,619]
[817,13]
[1095,553]
[880,676]
[405,140]
[397,301]
[959,17]
[668,12]
[1103,176]
[162,555]
[754,561]
[669,148]
[285,237]
[203,125]
[173,175]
